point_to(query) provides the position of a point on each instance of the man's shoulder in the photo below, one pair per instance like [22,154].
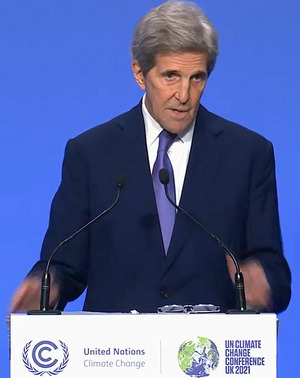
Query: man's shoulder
[107,129]
[234,131]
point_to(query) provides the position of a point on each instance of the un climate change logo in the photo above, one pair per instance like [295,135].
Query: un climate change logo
[45,357]
[198,358]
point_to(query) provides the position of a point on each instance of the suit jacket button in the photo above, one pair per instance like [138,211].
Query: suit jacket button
[165,294]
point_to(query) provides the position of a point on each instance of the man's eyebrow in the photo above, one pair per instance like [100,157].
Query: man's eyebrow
[200,72]
[177,72]
[168,70]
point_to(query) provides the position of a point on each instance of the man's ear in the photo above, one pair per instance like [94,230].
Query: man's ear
[138,74]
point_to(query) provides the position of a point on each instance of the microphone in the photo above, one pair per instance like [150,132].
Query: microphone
[46,279]
[164,178]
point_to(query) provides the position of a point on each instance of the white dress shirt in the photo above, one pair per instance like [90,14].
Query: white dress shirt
[179,151]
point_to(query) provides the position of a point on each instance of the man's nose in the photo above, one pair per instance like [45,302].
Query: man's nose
[183,92]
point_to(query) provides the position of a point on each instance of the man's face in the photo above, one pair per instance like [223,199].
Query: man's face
[173,88]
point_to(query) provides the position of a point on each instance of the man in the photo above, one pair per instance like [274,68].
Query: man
[144,254]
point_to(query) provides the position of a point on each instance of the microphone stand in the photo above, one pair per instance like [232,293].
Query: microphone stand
[46,278]
[238,279]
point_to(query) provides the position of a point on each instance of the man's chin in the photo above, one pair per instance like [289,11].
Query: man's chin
[175,127]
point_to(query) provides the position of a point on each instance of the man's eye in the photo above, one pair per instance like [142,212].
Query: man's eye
[170,75]
[198,77]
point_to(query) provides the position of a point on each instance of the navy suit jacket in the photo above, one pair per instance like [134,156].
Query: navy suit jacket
[229,187]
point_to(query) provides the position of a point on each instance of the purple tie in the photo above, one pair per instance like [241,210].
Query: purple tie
[166,211]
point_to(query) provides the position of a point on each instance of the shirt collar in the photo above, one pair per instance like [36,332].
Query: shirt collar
[153,128]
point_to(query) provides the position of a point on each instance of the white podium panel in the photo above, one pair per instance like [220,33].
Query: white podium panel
[143,345]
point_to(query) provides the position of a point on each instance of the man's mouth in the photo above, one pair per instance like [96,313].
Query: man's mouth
[179,110]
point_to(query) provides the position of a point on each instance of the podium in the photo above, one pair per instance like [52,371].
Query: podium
[91,345]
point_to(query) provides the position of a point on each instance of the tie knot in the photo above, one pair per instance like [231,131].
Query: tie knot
[165,140]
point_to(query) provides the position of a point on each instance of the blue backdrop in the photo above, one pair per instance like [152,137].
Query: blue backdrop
[65,67]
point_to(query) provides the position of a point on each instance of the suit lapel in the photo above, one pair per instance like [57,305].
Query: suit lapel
[135,165]
[202,168]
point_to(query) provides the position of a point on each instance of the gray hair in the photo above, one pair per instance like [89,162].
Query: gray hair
[174,26]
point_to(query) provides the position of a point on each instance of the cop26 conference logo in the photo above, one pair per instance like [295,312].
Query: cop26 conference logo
[198,358]
[45,357]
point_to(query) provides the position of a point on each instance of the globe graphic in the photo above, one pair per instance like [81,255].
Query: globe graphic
[198,357]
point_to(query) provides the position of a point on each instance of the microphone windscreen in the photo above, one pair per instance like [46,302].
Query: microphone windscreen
[121,180]
[164,176]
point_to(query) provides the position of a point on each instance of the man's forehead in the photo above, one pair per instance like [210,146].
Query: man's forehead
[181,60]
